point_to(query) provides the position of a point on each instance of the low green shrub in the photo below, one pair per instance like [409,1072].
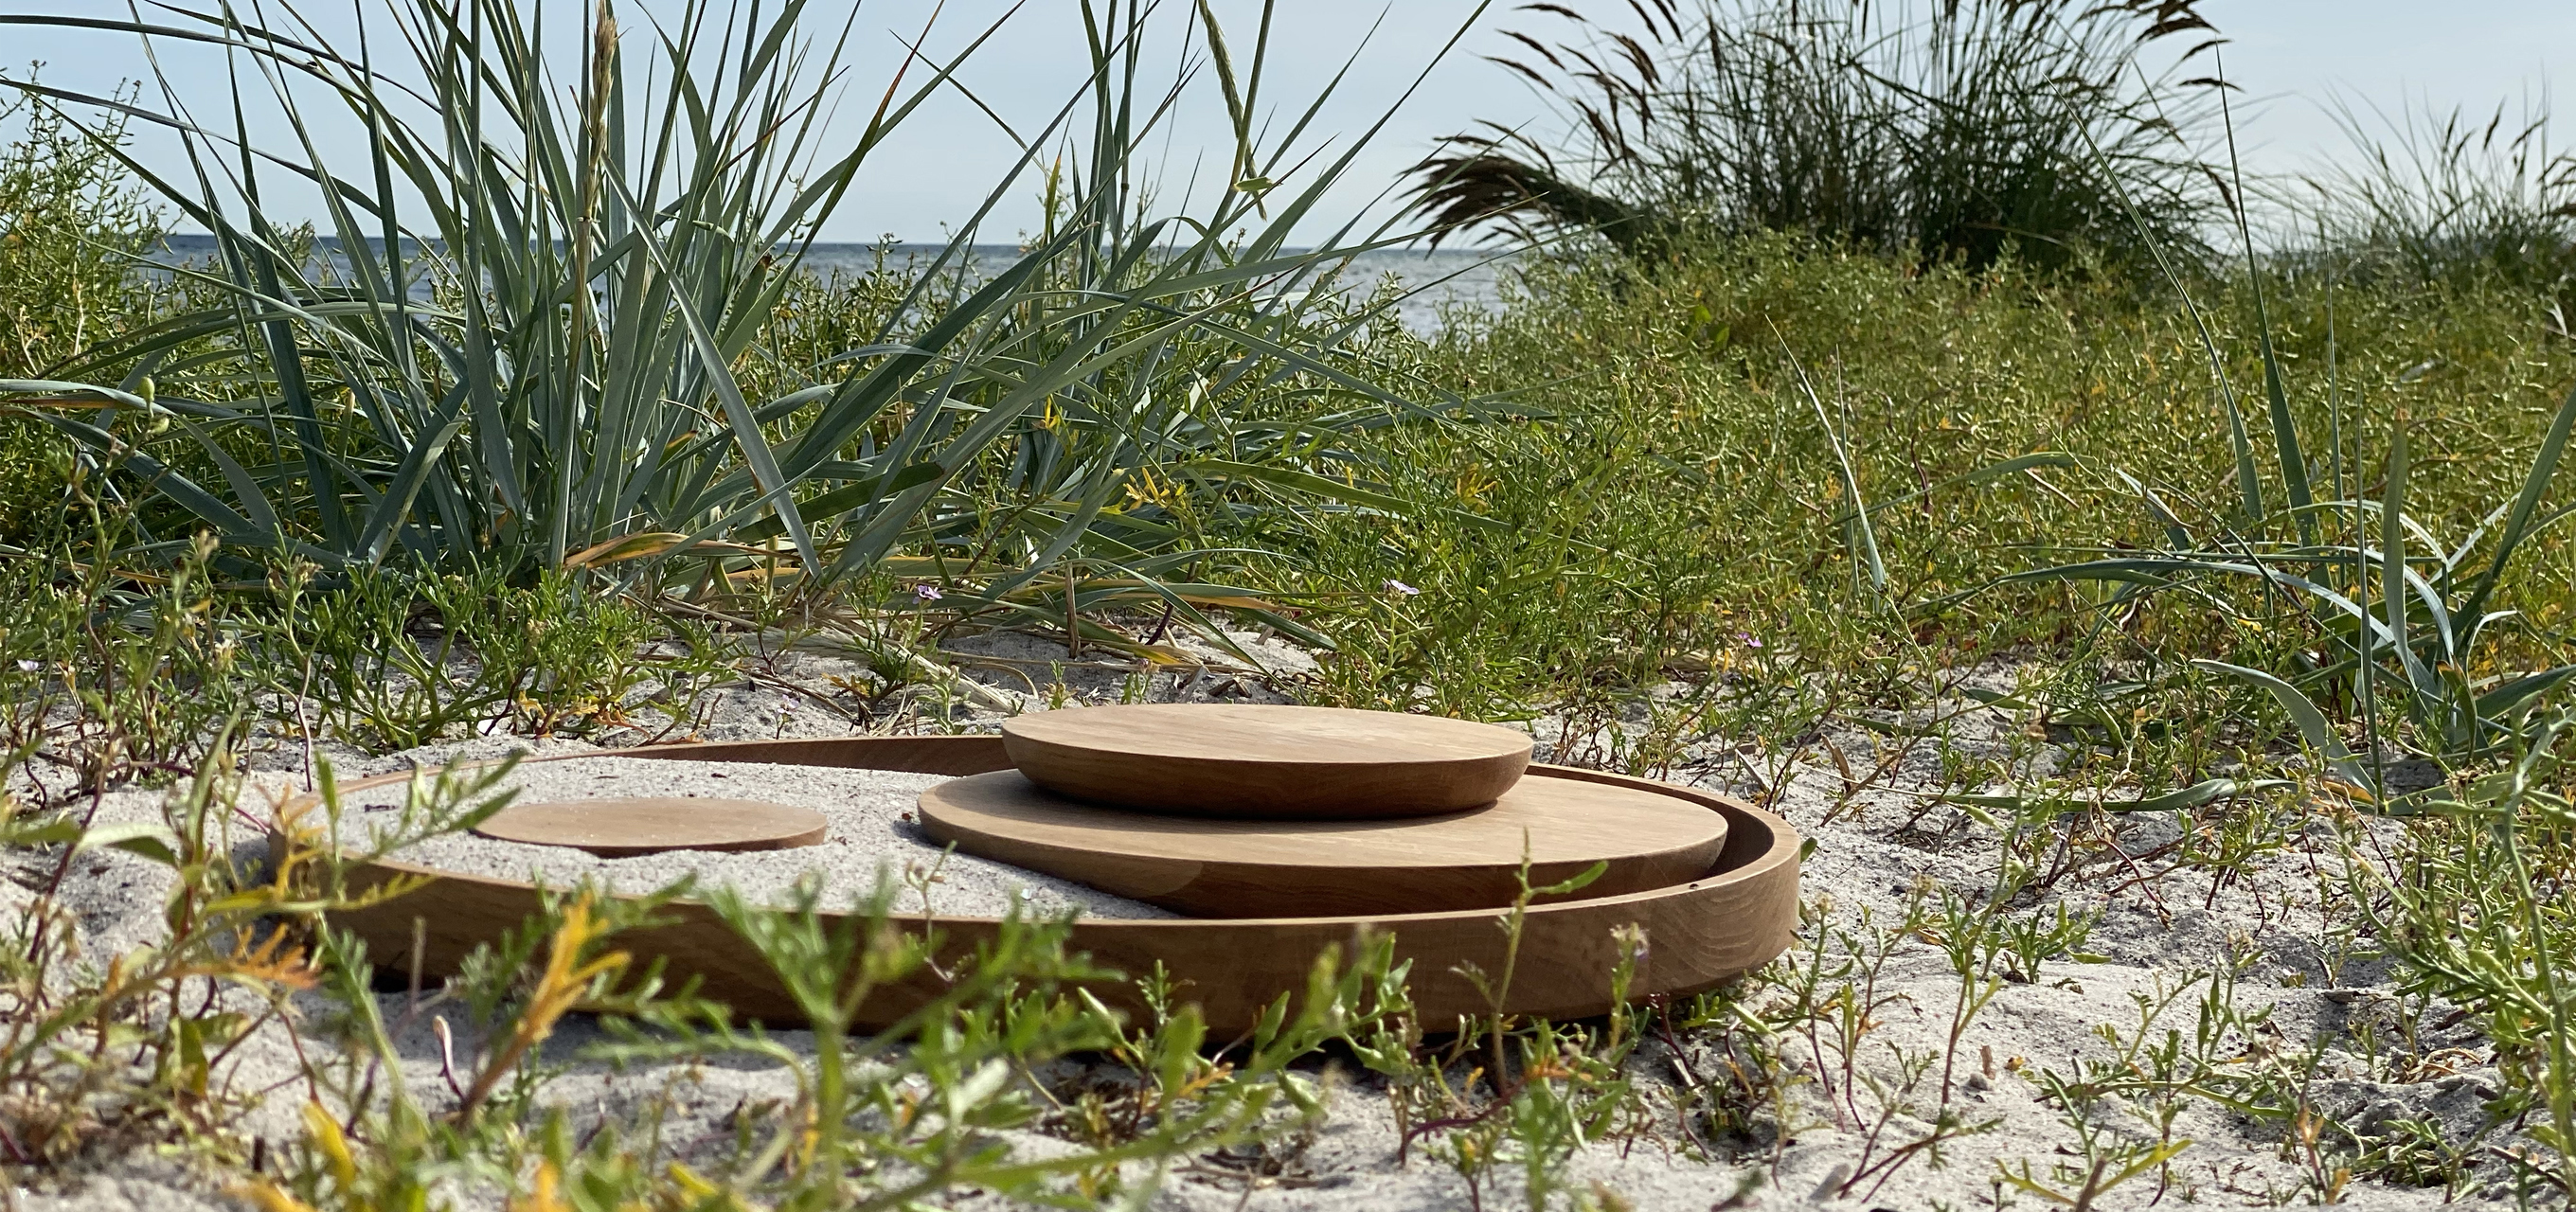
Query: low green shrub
[71,225]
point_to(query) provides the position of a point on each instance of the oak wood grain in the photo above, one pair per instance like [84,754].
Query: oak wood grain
[1700,934]
[1328,868]
[623,827]
[1262,760]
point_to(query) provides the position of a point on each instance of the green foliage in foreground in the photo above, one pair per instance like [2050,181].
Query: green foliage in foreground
[70,225]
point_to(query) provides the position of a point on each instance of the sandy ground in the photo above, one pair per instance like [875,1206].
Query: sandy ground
[2265,931]
[874,839]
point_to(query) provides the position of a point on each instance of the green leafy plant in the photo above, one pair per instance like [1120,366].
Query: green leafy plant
[71,224]
[2471,915]
[145,1045]
[1568,1089]
[395,661]
[2405,624]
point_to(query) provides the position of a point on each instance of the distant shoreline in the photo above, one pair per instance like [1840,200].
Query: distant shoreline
[1448,277]
[199,242]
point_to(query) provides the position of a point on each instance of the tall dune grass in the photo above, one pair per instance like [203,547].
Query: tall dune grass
[605,245]
[1938,130]
[2447,197]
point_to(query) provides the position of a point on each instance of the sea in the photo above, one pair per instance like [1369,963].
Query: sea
[1437,282]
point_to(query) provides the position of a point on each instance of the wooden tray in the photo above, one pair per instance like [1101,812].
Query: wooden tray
[1260,760]
[1700,933]
[1332,868]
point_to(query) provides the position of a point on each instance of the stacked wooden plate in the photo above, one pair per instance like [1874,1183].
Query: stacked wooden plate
[1283,832]
[1261,811]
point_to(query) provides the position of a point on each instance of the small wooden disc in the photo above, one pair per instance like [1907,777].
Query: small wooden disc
[1244,868]
[1272,762]
[624,828]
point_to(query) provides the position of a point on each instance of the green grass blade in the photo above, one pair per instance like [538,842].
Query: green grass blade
[162,478]
[2311,722]
[2512,695]
[2285,429]
[2526,505]
[1850,479]
[2392,573]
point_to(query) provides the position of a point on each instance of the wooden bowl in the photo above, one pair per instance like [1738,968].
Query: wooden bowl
[1259,760]
[1701,933]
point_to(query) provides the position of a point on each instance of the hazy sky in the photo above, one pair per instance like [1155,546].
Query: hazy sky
[2288,55]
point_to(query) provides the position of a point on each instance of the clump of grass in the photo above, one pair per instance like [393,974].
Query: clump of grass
[1102,423]
[1940,131]
[392,662]
[109,678]
[2444,198]
[2394,622]
[584,384]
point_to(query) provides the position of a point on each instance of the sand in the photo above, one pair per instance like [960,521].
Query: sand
[2269,920]
[873,838]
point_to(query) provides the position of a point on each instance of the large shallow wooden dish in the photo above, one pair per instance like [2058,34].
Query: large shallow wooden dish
[1266,760]
[1234,867]
[1700,933]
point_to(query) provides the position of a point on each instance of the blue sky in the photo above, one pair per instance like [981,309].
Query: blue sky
[2291,56]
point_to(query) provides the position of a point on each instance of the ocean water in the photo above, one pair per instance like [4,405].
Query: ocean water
[1434,279]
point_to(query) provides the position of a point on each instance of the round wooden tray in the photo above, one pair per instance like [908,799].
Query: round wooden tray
[1263,760]
[626,827]
[1700,933]
[1332,868]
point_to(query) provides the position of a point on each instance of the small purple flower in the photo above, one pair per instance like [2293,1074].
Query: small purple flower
[1400,589]
[927,592]
[27,666]
[1747,639]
